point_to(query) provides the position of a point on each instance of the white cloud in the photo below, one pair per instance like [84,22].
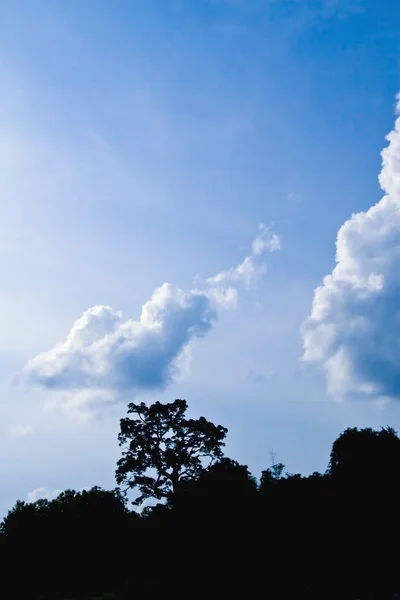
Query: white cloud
[42,493]
[105,351]
[250,267]
[265,241]
[354,326]
[83,404]
[105,356]
[20,431]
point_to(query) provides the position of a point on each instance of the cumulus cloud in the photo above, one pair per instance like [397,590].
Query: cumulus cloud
[105,356]
[104,350]
[20,431]
[354,326]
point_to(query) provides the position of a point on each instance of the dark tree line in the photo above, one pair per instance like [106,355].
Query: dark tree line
[213,530]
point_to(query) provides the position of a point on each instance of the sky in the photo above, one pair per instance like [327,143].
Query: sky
[194,204]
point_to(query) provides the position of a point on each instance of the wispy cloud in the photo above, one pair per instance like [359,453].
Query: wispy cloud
[48,494]
[20,431]
[354,326]
[251,266]
[42,493]
[105,356]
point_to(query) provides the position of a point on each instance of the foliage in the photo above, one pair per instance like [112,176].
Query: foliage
[163,441]
[68,540]
[365,453]
[331,535]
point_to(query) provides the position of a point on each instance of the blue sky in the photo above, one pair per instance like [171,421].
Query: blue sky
[143,143]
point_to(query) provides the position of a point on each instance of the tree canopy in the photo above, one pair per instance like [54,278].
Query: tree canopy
[164,447]
[219,531]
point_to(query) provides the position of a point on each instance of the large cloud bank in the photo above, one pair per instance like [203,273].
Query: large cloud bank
[354,326]
[105,356]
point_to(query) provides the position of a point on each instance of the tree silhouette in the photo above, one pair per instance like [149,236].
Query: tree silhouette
[163,448]
[365,454]
[273,474]
[225,487]
[69,543]
[332,535]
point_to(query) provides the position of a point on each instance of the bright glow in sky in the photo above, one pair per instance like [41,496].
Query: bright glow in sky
[174,178]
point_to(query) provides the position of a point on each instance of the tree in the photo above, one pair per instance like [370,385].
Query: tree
[227,478]
[225,492]
[365,454]
[162,442]
[92,522]
[274,473]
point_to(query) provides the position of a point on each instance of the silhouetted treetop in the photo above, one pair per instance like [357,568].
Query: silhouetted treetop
[365,454]
[215,533]
[163,447]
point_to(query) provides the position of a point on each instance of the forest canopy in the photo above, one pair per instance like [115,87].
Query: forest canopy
[211,527]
